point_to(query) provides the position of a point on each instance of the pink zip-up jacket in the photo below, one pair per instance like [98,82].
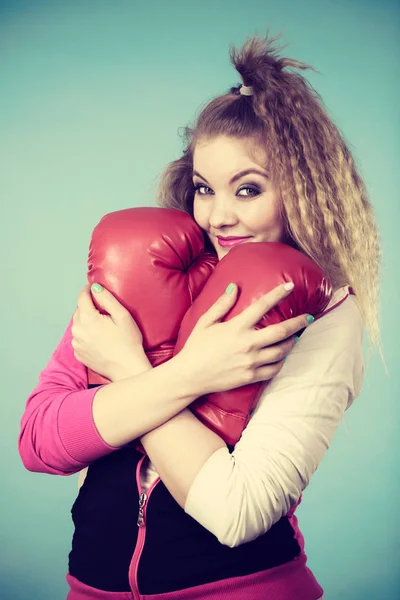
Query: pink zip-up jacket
[237,536]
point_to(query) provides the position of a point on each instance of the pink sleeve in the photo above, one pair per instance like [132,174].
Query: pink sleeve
[58,434]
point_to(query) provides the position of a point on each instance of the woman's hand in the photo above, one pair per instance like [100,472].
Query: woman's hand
[223,356]
[110,345]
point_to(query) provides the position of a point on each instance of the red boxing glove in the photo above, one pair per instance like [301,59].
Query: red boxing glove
[257,268]
[154,262]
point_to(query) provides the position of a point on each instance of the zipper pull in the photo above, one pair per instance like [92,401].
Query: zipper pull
[142,502]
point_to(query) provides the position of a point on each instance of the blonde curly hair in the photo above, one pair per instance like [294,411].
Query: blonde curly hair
[324,203]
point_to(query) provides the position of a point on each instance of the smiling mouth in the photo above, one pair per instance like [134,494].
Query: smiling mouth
[233,237]
[227,242]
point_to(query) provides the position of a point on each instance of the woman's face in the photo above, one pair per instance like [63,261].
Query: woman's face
[228,203]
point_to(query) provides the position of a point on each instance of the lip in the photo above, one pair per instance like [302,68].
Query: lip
[226,242]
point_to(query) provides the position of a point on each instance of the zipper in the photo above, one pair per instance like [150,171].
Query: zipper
[141,523]
[142,502]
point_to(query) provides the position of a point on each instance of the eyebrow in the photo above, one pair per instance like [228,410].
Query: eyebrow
[235,177]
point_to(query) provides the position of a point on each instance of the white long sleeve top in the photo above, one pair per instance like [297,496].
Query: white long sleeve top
[239,496]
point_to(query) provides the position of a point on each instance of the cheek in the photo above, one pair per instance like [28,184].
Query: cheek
[199,214]
[264,217]
[255,220]
[267,225]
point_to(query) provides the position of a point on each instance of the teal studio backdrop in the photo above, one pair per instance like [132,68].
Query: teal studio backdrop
[92,95]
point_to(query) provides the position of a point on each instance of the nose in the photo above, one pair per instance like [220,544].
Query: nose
[222,213]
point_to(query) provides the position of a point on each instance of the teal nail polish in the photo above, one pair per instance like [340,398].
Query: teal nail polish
[230,288]
[310,318]
[296,338]
[96,287]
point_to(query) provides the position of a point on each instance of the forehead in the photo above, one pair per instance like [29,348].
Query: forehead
[223,150]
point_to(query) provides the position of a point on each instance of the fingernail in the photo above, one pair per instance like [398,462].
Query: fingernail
[310,318]
[96,287]
[230,288]
[288,286]
[296,338]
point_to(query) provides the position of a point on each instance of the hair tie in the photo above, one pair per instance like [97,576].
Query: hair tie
[246,90]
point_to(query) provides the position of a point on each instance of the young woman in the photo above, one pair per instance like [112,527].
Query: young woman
[196,518]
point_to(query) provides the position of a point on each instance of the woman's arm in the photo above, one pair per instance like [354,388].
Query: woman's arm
[239,496]
[66,426]
[179,449]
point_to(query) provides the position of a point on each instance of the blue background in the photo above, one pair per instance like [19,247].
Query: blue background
[92,95]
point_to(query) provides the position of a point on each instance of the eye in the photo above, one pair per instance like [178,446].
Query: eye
[197,187]
[254,190]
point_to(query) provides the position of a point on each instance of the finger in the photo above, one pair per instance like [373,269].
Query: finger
[108,302]
[274,353]
[267,372]
[251,315]
[273,334]
[85,302]
[219,309]
[75,322]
